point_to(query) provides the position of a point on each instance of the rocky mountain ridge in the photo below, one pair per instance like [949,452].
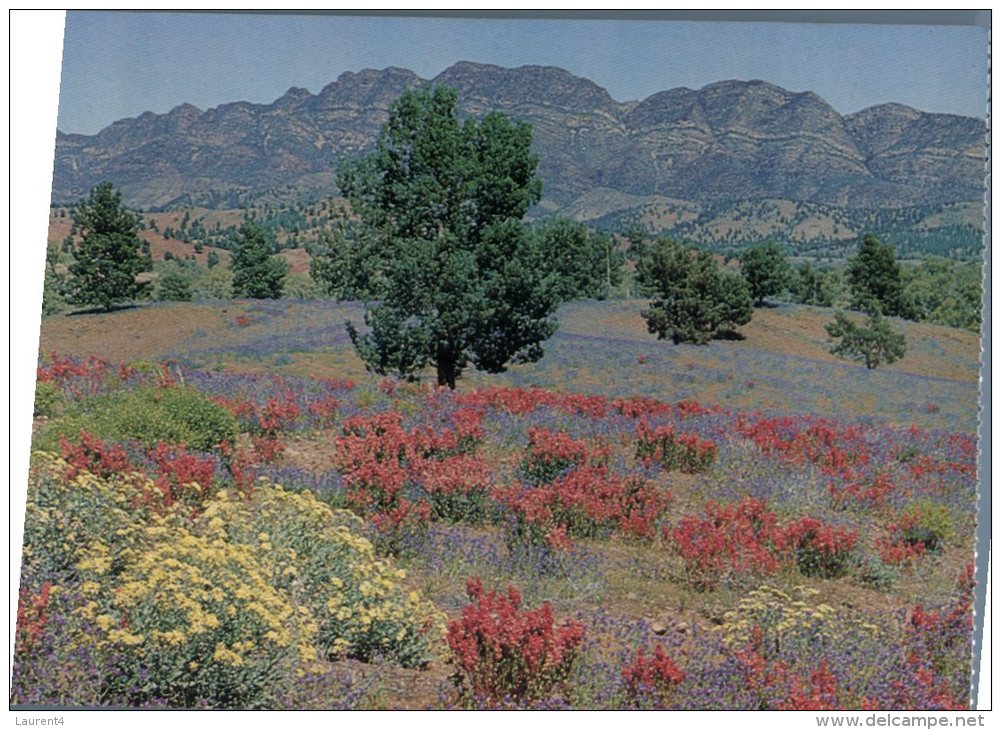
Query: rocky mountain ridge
[729,141]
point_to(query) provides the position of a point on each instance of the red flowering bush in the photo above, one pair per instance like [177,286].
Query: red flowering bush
[379,458]
[93,455]
[864,493]
[905,541]
[820,549]
[277,415]
[651,682]
[687,408]
[940,638]
[776,686]
[937,647]
[504,654]
[457,488]
[77,378]
[738,538]
[324,410]
[521,401]
[893,551]
[923,690]
[518,401]
[371,454]
[242,410]
[638,406]
[838,450]
[266,423]
[268,449]
[685,452]
[32,615]
[182,477]
[551,453]
[179,476]
[467,425]
[585,502]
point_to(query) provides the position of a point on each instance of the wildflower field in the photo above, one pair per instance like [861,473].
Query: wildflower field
[225,510]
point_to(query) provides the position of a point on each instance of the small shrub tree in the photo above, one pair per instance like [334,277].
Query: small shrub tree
[54,287]
[257,273]
[175,286]
[875,343]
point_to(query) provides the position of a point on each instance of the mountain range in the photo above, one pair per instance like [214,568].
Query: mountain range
[729,141]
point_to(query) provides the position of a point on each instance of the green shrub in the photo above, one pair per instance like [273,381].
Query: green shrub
[176,415]
[927,523]
[876,574]
[146,367]
[47,399]
[873,343]
[302,286]
[174,286]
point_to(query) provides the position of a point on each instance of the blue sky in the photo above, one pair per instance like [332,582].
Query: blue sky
[119,65]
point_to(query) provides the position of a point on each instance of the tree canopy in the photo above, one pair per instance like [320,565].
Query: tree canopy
[109,254]
[947,292]
[439,240]
[584,264]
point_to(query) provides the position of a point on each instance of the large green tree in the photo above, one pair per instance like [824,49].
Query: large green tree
[257,272]
[439,206]
[109,255]
[766,270]
[695,299]
[875,279]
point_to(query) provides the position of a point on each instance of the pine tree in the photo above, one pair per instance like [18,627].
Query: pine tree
[109,255]
[257,273]
[766,270]
[695,301]
[876,281]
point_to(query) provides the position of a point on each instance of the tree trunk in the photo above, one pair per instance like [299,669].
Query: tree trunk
[446,370]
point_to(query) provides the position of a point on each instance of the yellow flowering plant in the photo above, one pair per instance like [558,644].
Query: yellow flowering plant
[197,619]
[313,554]
[78,517]
[220,609]
[780,618]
